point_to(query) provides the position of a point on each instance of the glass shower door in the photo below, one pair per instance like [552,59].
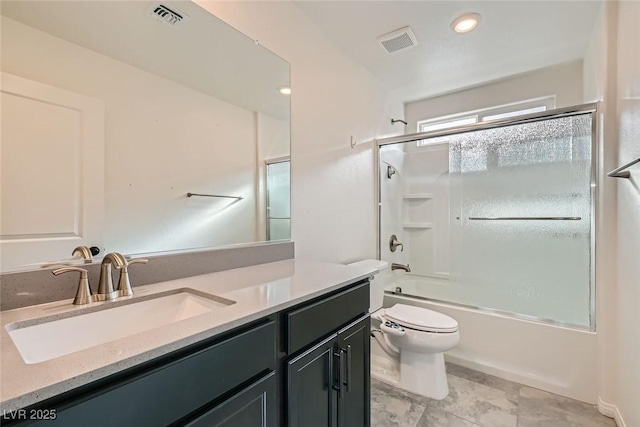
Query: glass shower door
[278,200]
[521,219]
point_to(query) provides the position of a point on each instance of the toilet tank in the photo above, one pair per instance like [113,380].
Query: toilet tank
[378,282]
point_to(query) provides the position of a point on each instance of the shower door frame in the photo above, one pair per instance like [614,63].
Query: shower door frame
[590,108]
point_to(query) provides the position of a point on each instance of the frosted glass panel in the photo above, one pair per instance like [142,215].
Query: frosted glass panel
[540,266]
[279,229]
[278,201]
[509,216]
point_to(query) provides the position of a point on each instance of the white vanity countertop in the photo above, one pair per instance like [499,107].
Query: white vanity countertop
[258,291]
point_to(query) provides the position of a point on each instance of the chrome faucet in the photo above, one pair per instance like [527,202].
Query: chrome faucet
[82,252]
[105,286]
[395,266]
[86,253]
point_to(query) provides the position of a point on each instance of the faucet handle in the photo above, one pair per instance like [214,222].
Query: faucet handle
[394,243]
[83,294]
[124,284]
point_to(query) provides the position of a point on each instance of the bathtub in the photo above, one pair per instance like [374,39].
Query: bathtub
[557,359]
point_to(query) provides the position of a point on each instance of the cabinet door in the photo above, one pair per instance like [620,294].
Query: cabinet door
[310,394]
[255,406]
[354,344]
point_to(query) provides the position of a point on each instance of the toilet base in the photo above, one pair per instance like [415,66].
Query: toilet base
[424,374]
[418,373]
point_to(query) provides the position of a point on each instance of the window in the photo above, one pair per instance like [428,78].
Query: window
[486,114]
[446,124]
[514,113]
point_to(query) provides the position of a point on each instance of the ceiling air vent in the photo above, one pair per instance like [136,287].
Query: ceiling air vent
[169,16]
[398,40]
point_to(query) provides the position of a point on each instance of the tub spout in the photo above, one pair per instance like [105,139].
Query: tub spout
[396,266]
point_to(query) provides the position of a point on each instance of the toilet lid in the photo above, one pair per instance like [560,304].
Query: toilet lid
[421,318]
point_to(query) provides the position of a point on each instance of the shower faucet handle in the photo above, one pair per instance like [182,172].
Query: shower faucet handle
[394,243]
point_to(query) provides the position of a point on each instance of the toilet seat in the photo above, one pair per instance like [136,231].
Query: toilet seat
[421,319]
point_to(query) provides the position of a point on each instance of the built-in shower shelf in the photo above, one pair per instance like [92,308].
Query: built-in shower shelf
[417,225]
[416,196]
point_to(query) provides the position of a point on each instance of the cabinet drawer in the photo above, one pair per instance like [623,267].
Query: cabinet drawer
[316,320]
[164,394]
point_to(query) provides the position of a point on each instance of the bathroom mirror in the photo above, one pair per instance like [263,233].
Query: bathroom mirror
[113,112]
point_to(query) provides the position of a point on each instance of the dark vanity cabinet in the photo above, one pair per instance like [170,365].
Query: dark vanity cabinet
[354,398]
[208,383]
[328,384]
[303,367]
[328,381]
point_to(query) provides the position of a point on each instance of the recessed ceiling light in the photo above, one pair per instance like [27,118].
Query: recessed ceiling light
[285,90]
[466,23]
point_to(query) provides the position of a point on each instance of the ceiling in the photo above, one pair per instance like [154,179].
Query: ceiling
[513,37]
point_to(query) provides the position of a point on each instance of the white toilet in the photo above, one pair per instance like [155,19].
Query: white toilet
[408,342]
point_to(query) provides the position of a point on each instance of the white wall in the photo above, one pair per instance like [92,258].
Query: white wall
[162,141]
[564,81]
[599,85]
[628,289]
[612,76]
[333,98]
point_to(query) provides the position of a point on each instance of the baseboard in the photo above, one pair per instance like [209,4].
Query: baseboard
[611,411]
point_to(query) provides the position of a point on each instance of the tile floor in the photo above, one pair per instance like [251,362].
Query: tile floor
[480,400]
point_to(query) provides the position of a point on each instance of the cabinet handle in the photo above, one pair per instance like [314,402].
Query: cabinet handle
[347,369]
[333,379]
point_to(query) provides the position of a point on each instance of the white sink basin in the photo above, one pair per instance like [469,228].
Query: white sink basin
[46,338]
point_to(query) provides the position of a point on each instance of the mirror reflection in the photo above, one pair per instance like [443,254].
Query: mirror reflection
[112,112]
